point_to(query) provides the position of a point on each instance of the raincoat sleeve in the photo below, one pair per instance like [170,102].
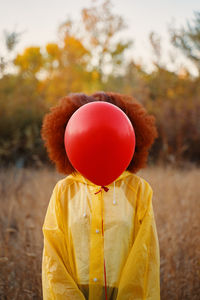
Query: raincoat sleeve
[140,277]
[57,282]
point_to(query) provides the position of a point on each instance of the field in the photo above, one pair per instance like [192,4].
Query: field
[24,196]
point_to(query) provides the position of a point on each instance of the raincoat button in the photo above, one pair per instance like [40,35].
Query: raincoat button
[84,214]
[114,202]
[95,279]
[97,230]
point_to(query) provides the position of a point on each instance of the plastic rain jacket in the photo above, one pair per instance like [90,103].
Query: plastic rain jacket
[75,247]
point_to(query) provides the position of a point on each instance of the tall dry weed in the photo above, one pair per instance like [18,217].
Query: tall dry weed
[24,196]
[177,211]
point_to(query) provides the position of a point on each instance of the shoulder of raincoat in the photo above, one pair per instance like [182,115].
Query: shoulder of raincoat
[91,235]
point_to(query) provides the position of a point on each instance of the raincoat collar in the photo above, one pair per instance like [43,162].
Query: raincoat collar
[79,177]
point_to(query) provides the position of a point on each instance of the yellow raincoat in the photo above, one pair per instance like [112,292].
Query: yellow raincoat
[75,248]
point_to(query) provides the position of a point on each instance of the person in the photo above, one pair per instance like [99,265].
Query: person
[81,258]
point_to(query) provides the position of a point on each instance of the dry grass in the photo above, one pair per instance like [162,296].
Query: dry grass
[24,199]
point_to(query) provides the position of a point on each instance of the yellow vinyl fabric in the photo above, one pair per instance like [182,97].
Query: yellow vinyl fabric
[75,246]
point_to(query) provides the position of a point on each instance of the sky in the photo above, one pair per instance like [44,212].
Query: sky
[39,21]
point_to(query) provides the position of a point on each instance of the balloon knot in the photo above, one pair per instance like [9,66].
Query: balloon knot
[102,187]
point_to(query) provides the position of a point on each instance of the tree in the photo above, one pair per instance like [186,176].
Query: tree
[155,41]
[188,40]
[11,39]
[30,61]
[66,66]
[102,27]
[84,58]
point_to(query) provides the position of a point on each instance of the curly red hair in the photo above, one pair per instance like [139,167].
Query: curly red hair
[54,123]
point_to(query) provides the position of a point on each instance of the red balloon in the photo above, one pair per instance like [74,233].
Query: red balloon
[99,141]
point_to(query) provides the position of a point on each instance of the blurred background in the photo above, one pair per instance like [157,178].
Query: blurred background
[147,49]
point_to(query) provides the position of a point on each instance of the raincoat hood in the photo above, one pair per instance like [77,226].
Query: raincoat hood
[79,177]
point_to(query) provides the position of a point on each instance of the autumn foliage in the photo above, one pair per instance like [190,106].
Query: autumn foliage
[88,58]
